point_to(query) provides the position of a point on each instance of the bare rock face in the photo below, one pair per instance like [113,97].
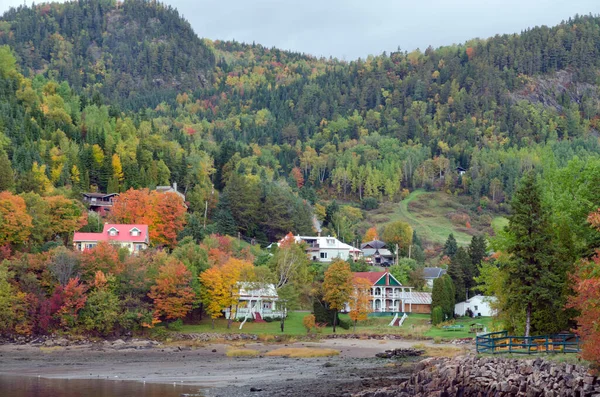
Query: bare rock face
[470,376]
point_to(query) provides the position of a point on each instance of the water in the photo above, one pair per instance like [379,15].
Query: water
[21,386]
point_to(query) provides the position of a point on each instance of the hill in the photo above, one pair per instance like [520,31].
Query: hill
[136,53]
[109,96]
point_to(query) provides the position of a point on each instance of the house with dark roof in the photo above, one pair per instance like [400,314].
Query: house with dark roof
[388,295]
[172,189]
[99,202]
[376,253]
[133,237]
[431,273]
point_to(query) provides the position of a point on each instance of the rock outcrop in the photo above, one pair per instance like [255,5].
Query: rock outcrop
[470,376]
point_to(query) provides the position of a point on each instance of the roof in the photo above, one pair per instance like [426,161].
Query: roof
[383,252]
[256,290]
[373,244]
[433,272]
[421,298]
[99,195]
[373,277]
[324,242]
[123,234]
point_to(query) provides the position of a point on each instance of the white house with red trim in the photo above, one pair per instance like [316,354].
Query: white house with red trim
[388,295]
[133,237]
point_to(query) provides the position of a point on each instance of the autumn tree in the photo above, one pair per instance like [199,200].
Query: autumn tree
[15,222]
[73,299]
[290,265]
[397,233]
[337,286]
[370,235]
[103,307]
[586,300]
[214,293]
[172,294]
[360,300]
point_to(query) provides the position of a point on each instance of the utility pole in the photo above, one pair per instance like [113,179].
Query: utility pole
[409,250]
[396,254]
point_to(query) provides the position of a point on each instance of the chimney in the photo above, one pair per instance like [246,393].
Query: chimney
[175,186]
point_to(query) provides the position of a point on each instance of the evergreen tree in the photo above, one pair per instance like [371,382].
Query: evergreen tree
[7,181]
[224,222]
[450,247]
[442,296]
[534,282]
[460,273]
[477,252]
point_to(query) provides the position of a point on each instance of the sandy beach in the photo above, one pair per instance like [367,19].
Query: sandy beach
[210,369]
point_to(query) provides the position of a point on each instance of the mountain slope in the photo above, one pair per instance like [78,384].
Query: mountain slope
[137,53]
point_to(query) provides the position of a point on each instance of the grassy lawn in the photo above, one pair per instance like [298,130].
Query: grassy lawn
[416,326]
[427,215]
[498,223]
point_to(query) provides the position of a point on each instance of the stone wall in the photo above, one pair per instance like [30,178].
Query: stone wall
[470,376]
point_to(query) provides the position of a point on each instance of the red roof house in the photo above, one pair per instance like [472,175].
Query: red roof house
[132,236]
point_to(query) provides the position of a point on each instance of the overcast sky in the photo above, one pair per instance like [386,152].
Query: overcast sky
[348,29]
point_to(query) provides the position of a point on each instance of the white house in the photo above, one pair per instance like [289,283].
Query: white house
[326,249]
[257,301]
[388,295]
[479,305]
[431,273]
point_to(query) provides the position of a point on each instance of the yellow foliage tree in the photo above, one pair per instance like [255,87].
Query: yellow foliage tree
[337,286]
[213,293]
[360,302]
[41,179]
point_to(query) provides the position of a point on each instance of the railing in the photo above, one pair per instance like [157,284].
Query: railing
[501,342]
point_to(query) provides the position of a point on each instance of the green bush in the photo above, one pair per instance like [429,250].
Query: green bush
[176,325]
[369,203]
[343,324]
[268,319]
[437,315]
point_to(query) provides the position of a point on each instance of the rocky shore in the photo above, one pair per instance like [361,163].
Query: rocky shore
[470,376]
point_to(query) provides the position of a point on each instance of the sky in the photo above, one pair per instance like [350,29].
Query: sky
[349,29]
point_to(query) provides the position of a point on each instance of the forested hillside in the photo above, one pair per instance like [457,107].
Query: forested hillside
[259,135]
[133,53]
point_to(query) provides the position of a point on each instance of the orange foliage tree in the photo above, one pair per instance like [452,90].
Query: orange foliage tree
[586,286]
[103,257]
[164,213]
[173,296]
[15,222]
[360,302]
[370,235]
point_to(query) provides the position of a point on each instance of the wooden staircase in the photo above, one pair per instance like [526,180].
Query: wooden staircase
[258,318]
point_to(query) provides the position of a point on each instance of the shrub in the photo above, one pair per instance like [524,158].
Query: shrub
[344,324]
[369,203]
[268,319]
[437,315]
[176,325]
[309,322]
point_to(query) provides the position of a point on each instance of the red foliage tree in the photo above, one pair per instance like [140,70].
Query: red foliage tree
[586,286]
[298,177]
[73,299]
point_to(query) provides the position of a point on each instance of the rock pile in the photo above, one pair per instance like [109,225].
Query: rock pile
[470,376]
[400,353]
[373,336]
[206,337]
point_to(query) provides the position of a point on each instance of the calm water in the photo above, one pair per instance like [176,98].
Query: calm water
[17,386]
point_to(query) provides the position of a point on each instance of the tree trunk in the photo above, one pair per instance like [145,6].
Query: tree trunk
[229,319]
[334,319]
[213,323]
[355,321]
[528,320]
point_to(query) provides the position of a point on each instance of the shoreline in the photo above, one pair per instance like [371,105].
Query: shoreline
[209,368]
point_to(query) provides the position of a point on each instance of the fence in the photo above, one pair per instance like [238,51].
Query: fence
[501,342]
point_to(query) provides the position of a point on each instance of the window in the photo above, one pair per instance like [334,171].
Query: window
[476,308]
[89,245]
[112,231]
[138,247]
[323,255]
[330,241]
[135,232]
